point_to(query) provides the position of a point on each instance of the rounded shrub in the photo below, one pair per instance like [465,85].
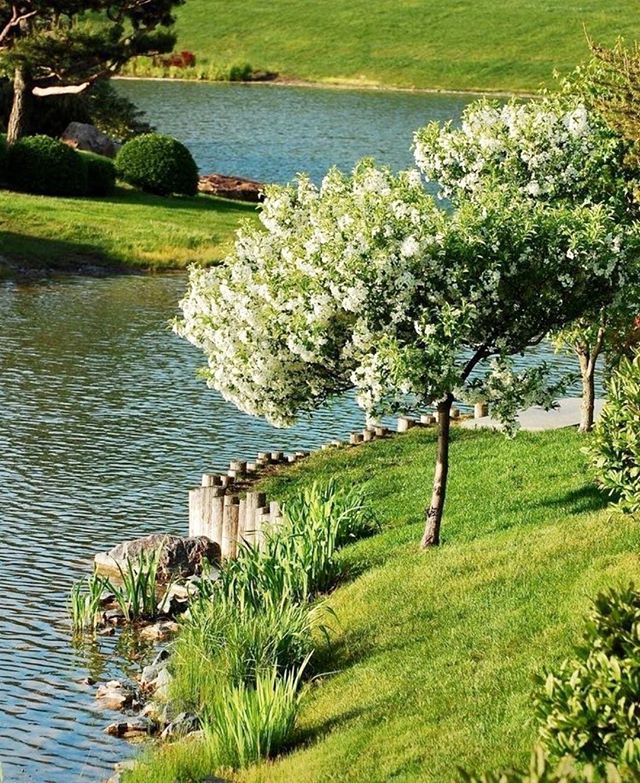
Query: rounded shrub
[615,447]
[158,164]
[42,165]
[101,174]
[588,707]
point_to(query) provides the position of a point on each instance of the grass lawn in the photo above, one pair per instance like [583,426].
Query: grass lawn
[449,44]
[434,652]
[130,230]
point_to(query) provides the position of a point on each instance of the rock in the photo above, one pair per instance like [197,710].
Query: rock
[135,727]
[176,599]
[81,136]
[113,617]
[183,724]
[236,188]
[179,557]
[159,632]
[114,695]
[157,713]
[162,684]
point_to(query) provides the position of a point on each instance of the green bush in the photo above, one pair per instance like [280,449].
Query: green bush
[41,165]
[101,174]
[590,707]
[158,164]
[541,770]
[615,447]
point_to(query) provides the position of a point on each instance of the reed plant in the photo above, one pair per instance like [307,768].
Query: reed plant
[85,602]
[137,595]
[299,559]
[247,723]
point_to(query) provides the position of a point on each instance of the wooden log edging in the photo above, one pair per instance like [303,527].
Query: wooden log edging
[226,509]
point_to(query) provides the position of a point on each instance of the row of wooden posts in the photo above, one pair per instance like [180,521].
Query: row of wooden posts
[227,511]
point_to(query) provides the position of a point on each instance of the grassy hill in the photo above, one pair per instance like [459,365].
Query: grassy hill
[433,654]
[449,44]
[130,230]
[436,651]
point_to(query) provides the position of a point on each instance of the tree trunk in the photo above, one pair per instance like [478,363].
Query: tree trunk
[434,513]
[587,370]
[19,118]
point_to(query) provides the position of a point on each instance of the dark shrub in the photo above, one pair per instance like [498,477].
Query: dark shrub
[101,174]
[42,165]
[3,157]
[158,164]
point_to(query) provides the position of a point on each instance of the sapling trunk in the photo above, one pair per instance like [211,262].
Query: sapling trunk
[435,511]
[19,117]
[587,370]
[588,357]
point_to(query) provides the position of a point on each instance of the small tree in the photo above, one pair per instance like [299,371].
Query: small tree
[63,46]
[557,151]
[365,283]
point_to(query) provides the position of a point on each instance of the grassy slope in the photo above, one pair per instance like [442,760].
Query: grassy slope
[436,651]
[450,44]
[128,230]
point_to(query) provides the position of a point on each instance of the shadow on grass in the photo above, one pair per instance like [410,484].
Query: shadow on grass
[584,500]
[202,203]
[26,256]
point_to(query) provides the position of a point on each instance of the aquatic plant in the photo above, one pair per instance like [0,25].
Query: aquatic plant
[85,602]
[247,723]
[137,596]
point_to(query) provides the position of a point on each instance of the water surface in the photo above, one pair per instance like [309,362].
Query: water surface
[103,426]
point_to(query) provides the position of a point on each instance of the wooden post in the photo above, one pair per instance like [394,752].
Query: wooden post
[367,435]
[480,410]
[455,413]
[229,525]
[405,423]
[239,467]
[381,431]
[211,480]
[427,419]
[276,457]
[242,523]
[204,504]
[262,523]
[355,438]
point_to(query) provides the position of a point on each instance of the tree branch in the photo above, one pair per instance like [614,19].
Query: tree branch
[16,20]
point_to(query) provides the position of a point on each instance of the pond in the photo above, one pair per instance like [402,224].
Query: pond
[103,426]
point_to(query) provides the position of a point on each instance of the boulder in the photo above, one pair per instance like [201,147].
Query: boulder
[235,188]
[134,727]
[85,137]
[114,695]
[179,557]
[159,632]
[183,724]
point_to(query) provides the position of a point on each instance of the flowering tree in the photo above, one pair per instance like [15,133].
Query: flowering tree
[366,283]
[556,151]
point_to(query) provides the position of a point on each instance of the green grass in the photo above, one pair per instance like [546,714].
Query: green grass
[449,44]
[130,230]
[436,651]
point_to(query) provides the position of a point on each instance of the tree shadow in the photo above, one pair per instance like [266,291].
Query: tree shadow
[586,499]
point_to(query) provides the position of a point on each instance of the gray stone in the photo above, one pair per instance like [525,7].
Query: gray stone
[82,136]
[179,557]
[183,724]
[162,684]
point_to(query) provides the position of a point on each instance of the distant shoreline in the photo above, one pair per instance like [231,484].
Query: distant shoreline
[341,85]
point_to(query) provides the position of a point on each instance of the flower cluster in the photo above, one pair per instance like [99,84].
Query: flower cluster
[548,149]
[365,283]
